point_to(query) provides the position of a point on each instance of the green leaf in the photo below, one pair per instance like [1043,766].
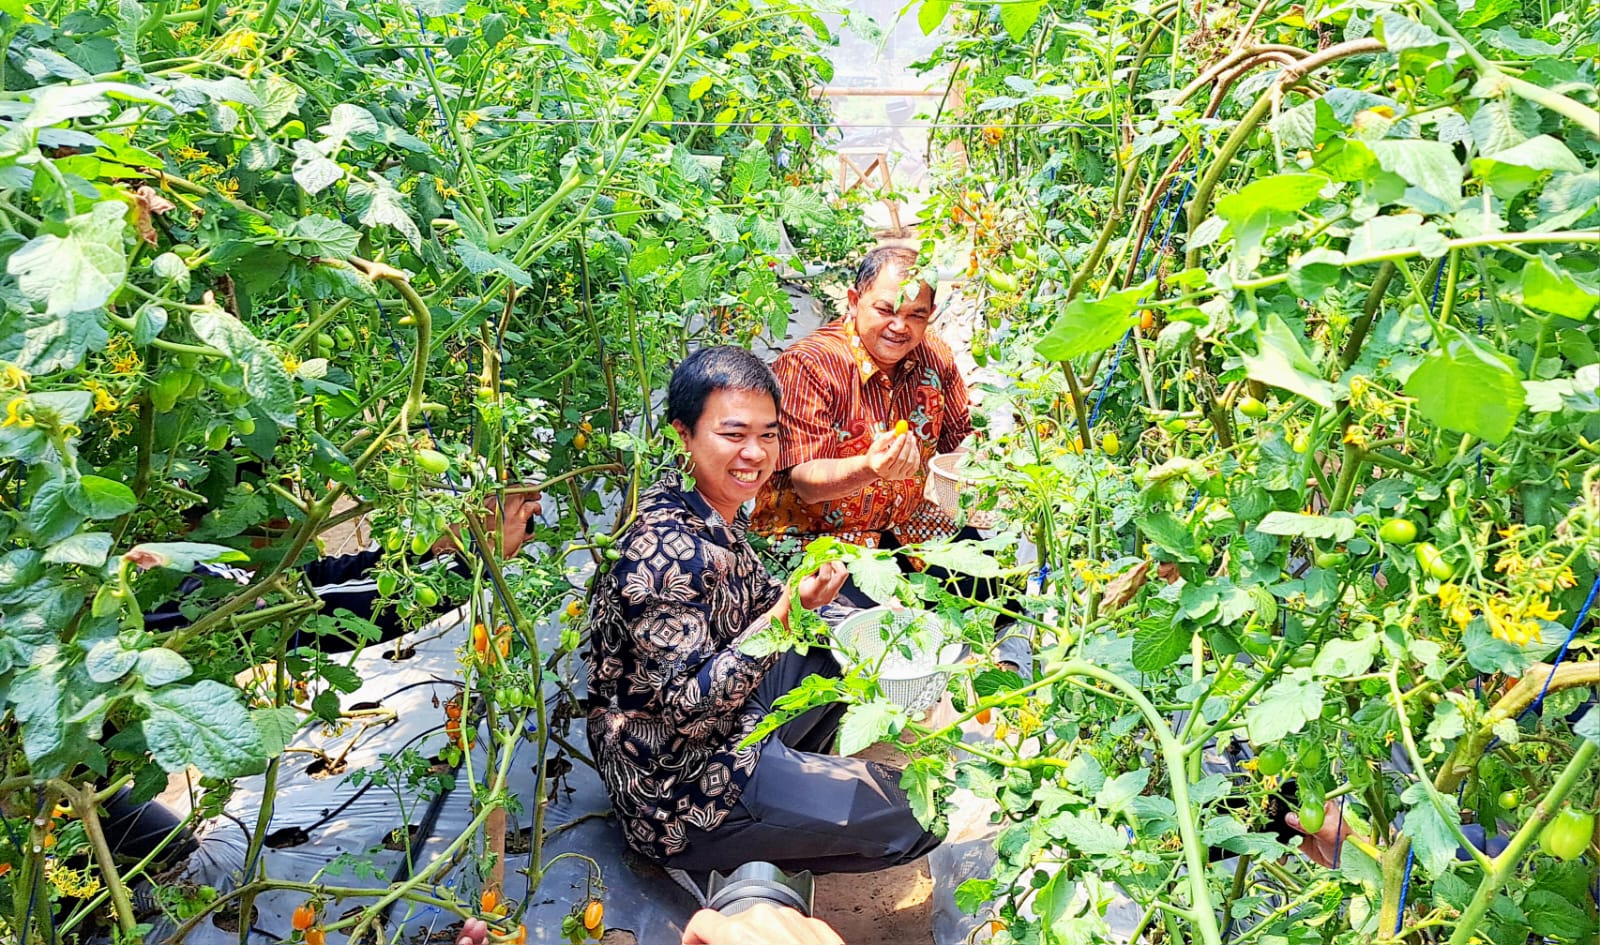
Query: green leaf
[1312,273]
[1342,659]
[961,557]
[1548,287]
[1555,918]
[1430,831]
[931,15]
[804,207]
[313,170]
[1170,533]
[1325,527]
[385,207]
[50,515]
[78,272]
[1465,386]
[101,498]
[347,122]
[88,549]
[180,555]
[700,86]
[1055,901]
[1589,726]
[160,666]
[752,171]
[1019,17]
[1088,325]
[265,379]
[109,661]
[1284,709]
[1519,167]
[1403,231]
[1087,833]
[869,723]
[1157,644]
[277,727]
[55,104]
[1264,206]
[202,725]
[316,235]
[1501,123]
[974,894]
[1430,167]
[1281,362]
[481,262]
[1227,833]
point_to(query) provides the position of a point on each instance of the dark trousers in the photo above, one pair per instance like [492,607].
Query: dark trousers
[804,810]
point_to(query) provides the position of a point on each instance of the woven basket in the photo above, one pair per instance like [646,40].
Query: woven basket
[945,486]
[913,682]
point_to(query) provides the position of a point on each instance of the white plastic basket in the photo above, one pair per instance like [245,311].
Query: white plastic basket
[906,647]
[945,485]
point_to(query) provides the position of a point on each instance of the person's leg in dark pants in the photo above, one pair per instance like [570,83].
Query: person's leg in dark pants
[802,811]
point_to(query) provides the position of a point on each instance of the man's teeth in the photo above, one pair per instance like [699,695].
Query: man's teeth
[746,476]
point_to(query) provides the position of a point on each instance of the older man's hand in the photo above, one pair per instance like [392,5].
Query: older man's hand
[820,587]
[894,456]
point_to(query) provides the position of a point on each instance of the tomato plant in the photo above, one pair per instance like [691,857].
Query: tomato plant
[1378,219]
[272,268]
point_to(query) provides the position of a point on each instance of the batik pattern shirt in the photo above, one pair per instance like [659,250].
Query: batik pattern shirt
[835,400]
[668,683]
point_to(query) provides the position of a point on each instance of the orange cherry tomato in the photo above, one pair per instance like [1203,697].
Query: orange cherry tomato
[316,937]
[480,639]
[452,711]
[1147,320]
[984,716]
[503,646]
[489,899]
[901,427]
[594,914]
[304,917]
[574,609]
[502,630]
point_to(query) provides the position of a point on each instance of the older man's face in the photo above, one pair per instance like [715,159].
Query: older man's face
[892,315]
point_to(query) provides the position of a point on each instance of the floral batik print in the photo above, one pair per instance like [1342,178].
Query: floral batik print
[667,683]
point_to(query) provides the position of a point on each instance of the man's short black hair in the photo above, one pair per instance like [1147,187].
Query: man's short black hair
[883,256]
[708,370]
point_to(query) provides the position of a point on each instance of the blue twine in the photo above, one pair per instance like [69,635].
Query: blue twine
[1583,613]
[1166,240]
[1405,889]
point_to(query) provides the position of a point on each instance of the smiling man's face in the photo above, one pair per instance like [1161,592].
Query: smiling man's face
[892,315]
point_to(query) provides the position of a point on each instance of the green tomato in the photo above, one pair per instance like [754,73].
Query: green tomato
[1175,425]
[1000,280]
[387,582]
[1330,559]
[426,596]
[246,425]
[164,393]
[1257,643]
[1272,760]
[399,479]
[324,342]
[603,540]
[294,128]
[433,462]
[1508,800]
[1309,757]
[1398,531]
[345,337]
[1252,408]
[1312,815]
[1303,657]
[612,554]
[1433,562]
[1567,834]
[217,437]
[1301,443]
[419,544]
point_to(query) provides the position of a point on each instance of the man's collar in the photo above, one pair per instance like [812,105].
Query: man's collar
[697,506]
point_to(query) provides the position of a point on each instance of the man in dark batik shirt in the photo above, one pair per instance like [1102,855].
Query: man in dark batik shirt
[673,696]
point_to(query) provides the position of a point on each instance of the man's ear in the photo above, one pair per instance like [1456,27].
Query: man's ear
[682,431]
[852,298]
